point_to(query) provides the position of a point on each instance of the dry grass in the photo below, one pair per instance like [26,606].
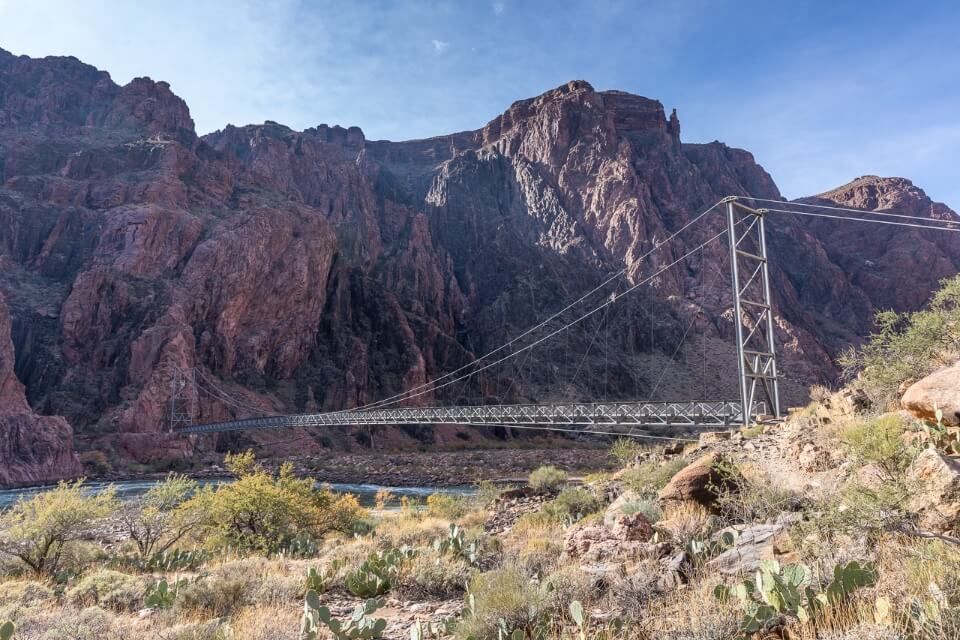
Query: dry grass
[267,623]
[686,521]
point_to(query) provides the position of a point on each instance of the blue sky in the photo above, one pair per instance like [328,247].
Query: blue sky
[820,92]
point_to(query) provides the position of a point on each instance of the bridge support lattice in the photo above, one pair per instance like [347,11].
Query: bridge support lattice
[752,308]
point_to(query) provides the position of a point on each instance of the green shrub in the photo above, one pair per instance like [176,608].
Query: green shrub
[625,450]
[37,530]
[650,509]
[160,518]
[569,584]
[446,506]
[648,477]
[907,346]
[262,512]
[501,603]
[880,442]
[433,574]
[109,590]
[572,504]
[225,589]
[547,479]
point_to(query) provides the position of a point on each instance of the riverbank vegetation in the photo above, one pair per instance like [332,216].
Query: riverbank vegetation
[841,523]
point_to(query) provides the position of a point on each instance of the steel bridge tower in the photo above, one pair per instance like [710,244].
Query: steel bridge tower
[183,399]
[752,307]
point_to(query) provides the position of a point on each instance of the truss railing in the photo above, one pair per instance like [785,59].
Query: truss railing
[629,414]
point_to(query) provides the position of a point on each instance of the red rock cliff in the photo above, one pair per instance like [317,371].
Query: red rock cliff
[316,270]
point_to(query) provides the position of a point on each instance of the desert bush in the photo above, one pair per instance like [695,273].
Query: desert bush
[233,585]
[502,602]
[907,346]
[265,513]
[547,479]
[95,462]
[160,518]
[625,450]
[538,557]
[446,506]
[633,592]
[686,521]
[23,593]
[572,504]
[432,574]
[649,507]
[109,590]
[487,492]
[66,623]
[399,530]
[749,496]
[569,584]
[35,531]
[880,442]
[651,475]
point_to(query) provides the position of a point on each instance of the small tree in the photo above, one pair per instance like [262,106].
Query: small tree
[265,512]
[35,531]
[162,517]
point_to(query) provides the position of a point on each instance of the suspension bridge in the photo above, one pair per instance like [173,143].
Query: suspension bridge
[758,389]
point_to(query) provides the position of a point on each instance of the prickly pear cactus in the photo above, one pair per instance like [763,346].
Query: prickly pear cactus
[776,592]
[7,630]
[359,626]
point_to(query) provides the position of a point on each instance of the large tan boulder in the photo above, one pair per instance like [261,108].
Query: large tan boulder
[937,498]
[701,481]
[939,389]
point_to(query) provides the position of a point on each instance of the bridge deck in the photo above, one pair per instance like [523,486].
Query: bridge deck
[585,415]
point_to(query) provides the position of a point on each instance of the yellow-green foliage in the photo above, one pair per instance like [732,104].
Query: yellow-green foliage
[907,346]
[572,503]
[37,530]
[444,505]
[109,590]
[547,478]
[625,450]
[162,516]
[265,512]
[880,442]
[651,475]
[505,595]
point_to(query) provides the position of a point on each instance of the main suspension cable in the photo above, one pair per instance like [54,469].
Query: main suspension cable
[399,397]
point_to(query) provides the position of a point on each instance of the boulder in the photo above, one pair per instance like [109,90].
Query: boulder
[615,511]
[698,482]
[754,543]
[627,539]
[632,528]
[937,499]
[940,389]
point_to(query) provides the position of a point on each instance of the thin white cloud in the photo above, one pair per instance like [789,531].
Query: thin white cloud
[440,46]
[499,8]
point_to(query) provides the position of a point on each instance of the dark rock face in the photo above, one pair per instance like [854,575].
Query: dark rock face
[33,448]
[316,270]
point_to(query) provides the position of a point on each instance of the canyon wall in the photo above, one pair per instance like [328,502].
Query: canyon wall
[316,270]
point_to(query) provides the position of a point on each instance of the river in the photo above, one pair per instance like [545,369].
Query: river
[133,489]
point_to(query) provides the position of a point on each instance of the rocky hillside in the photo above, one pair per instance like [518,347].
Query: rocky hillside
[317,270]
